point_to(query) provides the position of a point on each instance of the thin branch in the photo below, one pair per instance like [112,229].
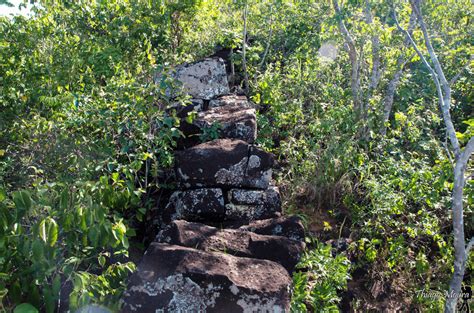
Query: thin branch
[415,4]
[465,67]
[445,102]
[375,76]
[244,43]
[270,34]
[469,246]
[444,98]
[355,81]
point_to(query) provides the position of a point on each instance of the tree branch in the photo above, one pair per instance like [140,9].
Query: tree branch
[466,66]
[444,98]
[355,81]
[469,246]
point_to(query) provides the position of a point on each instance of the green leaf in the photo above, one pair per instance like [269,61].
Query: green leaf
[25,308]
[48,231]
[3,195]
[64,200]
[37,249]
[22,200]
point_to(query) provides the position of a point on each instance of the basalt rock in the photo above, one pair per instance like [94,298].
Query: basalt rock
[180,279]
[205,79]
[290,227]
[226,163]
[206,204]
[232,100]
[235,242]
[231,121]
[225,122]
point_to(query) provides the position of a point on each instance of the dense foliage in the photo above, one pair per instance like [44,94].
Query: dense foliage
[84,140]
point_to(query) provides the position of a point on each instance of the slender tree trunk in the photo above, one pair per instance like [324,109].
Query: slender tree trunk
[460,251]
[393,84]
[244,43]
[355,79]
[462,157]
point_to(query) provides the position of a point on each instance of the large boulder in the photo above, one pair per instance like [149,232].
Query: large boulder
[205,79]
[231,122]
[290,227]
[206,204]
[179,279]
[240,243]
[226,163]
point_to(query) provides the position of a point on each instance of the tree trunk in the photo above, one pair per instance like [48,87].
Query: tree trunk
[244,61]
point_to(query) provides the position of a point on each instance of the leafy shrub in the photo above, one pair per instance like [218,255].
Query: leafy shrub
[318,279]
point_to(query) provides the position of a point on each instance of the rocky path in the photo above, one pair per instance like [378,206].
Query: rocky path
[225,246]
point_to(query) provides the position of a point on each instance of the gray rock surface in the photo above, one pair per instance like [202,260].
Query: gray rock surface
[234,242]
[180,279]
[232,121]
[206,204]
[205,79]
[290,227]
[224,163]
[232,100]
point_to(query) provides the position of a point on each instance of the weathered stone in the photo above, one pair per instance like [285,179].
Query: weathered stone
[179,279]
[269,197]
[233,122]
[245,213]
[205,79]
[197,204]
[232,100]
[224,163]
[235,242]
[290,227]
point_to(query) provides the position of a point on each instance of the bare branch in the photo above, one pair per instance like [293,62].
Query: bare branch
[393,83]
[244,44]
[460,256]
[270,34]
[469,246]
[443,89]
[355,81]
[415,4]
[375,76]
[465,67]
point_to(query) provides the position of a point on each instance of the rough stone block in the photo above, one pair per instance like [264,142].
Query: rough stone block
[179,279]
[290,227]
[232,100]
[240,243]
[206,204]
[205,79]
[224,163]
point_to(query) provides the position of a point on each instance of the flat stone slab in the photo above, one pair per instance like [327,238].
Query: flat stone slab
[269,197]
[240,243]
[232,122]
[290,227]
[232,100]
[180,279]
[205,79]
[206,204]
[224,163]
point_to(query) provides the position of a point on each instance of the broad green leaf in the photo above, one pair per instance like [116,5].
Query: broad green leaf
[48,231]
[25,308]
[38,250]
[22,200]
